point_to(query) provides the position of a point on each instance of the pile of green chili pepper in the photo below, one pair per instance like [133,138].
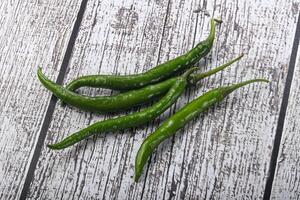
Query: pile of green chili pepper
[164,84]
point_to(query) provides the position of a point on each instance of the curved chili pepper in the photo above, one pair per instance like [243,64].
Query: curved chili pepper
[154,75]
[129,121]
[180,119]
[124,100]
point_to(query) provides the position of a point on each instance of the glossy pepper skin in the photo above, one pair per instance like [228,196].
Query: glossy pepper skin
[124,100]
[156,74]
[180,119]
[129,121]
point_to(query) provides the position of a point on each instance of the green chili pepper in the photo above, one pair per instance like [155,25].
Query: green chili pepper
[179,119]
[132,120]
[157,74]
[124,100]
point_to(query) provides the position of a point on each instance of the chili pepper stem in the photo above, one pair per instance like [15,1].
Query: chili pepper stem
[188,72]
[194,78]
[227,90]
[218,21]
[211,37]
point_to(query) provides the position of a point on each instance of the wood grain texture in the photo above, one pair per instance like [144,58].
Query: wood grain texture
[222,154]
[286,183]
[32,34]
[116,37]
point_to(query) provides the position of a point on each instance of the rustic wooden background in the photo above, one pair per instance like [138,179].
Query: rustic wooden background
[245,148]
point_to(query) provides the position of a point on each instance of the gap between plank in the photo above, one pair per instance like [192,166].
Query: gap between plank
[157,61]
[282,113]
[53,100]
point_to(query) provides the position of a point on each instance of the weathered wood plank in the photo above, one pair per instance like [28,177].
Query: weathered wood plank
[32,34]
[286,183]
[115,37]
[225,152]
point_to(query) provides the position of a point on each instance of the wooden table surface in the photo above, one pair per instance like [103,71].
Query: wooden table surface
[247,147]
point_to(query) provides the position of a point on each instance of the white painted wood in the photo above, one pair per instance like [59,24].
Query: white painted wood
[32,34]
[286,183]
[224,153]
[115,37]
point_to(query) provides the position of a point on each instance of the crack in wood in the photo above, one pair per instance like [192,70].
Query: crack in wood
[52,103]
